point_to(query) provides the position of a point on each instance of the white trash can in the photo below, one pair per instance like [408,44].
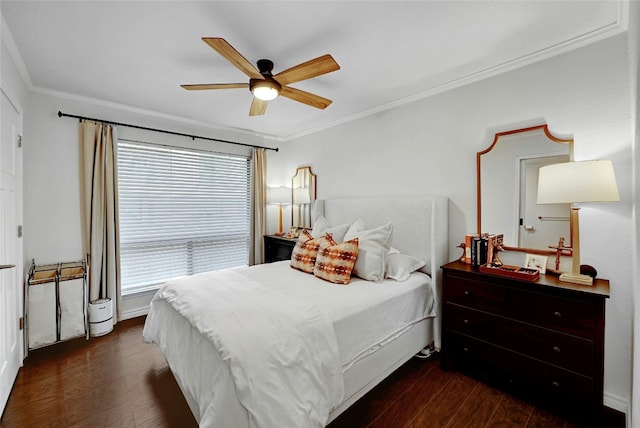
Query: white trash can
[100,317]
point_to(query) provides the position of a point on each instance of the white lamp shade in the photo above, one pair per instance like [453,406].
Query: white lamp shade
[586,181]
[279,195]
[301,196]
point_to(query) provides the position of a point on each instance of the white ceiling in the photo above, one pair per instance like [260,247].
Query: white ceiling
[138,53]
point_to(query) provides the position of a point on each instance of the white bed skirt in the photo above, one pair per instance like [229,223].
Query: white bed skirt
[360,378]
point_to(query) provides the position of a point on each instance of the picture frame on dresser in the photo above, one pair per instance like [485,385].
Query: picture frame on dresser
[536,261]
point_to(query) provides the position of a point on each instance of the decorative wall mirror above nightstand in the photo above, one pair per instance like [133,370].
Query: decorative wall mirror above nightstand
[507,174]
[303,185]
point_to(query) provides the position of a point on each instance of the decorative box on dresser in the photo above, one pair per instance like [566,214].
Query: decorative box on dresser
[543,340]
[278,248]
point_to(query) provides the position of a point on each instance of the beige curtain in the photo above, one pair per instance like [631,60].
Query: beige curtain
[258,203]
[99,190]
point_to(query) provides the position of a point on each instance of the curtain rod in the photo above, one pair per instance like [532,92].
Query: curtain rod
[193,137]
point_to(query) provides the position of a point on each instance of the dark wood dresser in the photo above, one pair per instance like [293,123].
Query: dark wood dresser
[543,340]
[278,248]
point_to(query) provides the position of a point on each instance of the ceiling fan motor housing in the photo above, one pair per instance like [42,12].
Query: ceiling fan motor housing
[265,66]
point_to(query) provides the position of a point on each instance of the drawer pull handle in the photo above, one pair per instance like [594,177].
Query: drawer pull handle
[557,314]
[465,349]
[467,293]
[556,349]
[555,384]
[466,322]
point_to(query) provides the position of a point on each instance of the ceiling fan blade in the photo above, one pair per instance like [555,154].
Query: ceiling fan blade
[233,56]
[215,86]
[305,97]
[312,68]
[258,107]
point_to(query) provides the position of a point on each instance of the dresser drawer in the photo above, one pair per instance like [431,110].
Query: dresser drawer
[571,316]
[550,346]
[519,371]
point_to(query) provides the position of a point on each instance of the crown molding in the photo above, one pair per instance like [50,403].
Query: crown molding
[14,53]
[152,114]
[618,27]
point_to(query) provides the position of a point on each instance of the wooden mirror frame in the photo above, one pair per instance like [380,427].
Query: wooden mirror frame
[497,136]
[303,178]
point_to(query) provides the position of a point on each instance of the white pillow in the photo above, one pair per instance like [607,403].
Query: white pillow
[322,227]
[373,245]
[400,266]
[355,227]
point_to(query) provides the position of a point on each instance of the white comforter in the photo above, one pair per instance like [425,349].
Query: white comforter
[298,380]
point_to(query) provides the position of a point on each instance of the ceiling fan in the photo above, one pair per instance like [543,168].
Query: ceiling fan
[263,85]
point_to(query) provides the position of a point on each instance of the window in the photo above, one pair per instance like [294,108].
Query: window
[182,212]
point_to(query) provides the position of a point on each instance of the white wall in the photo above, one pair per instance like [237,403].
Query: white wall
[430,146]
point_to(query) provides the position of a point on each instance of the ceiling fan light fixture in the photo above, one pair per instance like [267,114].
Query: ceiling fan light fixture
[265,90]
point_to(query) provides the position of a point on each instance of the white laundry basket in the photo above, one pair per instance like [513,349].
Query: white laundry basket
[56,303]
[100,317]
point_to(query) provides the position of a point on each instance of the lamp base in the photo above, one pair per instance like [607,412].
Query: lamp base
[576,278]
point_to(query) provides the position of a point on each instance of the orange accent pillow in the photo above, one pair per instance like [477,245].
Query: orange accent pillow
[304,253]
[335,262]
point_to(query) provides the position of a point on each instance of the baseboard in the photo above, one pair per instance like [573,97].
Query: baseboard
[616,408]
[135,313]
[136,305]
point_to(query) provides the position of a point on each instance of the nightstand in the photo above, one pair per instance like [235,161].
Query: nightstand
[542,340]
[277,248]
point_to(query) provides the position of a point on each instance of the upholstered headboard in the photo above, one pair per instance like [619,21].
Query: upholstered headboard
[420,227]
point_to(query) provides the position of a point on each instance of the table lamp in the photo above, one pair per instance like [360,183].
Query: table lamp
[574,182]
[280,196]
[301,197]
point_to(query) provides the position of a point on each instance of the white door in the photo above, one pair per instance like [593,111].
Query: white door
[541,225]
[11,340]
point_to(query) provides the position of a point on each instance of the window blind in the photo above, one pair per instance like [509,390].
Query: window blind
[182,212]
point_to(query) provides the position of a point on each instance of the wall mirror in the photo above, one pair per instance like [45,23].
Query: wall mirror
[303,187]
[507,183]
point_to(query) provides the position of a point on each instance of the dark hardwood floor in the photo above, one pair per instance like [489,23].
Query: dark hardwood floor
[118,381]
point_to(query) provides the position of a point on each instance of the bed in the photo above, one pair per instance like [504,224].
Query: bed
[373,326]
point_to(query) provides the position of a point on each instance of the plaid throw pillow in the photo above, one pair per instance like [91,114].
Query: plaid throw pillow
[335,262]
[304,253]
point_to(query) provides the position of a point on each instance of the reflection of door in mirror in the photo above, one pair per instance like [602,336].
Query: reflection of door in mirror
[503,190]
[303,184]
[540,225]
